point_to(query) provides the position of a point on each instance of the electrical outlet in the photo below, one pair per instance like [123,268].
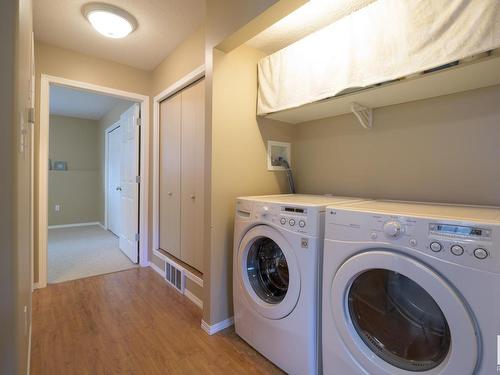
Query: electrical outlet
[57,208]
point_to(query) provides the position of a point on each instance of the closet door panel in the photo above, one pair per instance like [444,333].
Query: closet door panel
[170,173]
[192,151]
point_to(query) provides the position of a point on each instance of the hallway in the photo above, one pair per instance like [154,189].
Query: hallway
[78,252]
[130,322]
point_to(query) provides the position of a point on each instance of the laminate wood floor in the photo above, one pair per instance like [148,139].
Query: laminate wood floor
[130,322]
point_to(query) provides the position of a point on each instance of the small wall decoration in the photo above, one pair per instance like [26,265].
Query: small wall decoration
[60,165]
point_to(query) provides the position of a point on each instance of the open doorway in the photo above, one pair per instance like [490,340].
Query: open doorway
[93,203]
[93,164]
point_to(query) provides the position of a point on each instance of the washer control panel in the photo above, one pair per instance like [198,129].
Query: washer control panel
[294,218]
[301,219]
[464,243]
[460,240]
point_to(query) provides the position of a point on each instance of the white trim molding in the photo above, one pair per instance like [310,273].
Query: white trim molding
[108,130]
[198,302]
[214,328]
[157,269]
[192,77]
[75,225]
[43,157]
[189,295]
[191,276]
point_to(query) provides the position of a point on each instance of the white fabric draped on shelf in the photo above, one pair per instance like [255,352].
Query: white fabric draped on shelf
[385,40]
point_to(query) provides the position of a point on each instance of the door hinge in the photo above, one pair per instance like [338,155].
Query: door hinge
[139,121]
[138,179]
[137,237]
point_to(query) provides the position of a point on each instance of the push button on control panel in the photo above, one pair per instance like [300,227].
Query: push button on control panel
[291,222]
[480,253]
[283,221]
[457,250]
[302,223]
[436,247]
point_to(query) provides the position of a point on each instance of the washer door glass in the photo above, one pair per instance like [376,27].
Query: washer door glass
[267,270]
[398,320]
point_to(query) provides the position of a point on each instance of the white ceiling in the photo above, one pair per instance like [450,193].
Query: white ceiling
[163,24]
[69,102]
[309,18]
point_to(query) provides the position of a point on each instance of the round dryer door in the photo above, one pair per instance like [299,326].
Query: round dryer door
[392,306]
[269,272]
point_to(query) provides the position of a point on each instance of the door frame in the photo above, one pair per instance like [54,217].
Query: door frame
[181,84]
[43,167]
[108,130]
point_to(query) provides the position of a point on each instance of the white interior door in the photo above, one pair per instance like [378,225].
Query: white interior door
[129,170]
[170,175]
[114,188]
[192,166]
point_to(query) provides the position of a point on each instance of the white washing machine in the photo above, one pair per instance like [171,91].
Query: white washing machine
[276,281]
[411,288]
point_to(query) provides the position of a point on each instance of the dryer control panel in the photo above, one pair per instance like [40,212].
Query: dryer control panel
[304,220]
[469,244]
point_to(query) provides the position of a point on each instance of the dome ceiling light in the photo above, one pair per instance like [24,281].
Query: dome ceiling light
[109,20]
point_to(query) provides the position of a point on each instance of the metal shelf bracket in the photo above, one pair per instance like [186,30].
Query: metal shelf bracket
[363,114]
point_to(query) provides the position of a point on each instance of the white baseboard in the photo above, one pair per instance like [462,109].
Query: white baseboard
[102,226]
[36,286]
[75,225]
[198,302]
[191,276]
[214,328]
[157,269]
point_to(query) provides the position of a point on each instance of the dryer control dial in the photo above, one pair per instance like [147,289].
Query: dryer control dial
[392,228]
[264,211]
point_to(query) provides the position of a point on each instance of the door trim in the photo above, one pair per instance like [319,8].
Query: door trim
[108,130]
[43,167]
[181,84]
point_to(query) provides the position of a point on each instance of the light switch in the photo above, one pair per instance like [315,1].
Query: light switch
[57,208]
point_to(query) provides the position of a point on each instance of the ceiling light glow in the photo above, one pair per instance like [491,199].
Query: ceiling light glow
[109,21]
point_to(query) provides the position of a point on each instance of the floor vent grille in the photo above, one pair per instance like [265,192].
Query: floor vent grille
[175,277]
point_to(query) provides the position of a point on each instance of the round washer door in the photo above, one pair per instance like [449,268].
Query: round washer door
[269,272]
[397,316]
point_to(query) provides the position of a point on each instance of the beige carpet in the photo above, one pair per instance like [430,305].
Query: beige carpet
[74,253]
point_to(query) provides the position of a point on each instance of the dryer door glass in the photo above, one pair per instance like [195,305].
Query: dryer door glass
[267,270]
[399,320]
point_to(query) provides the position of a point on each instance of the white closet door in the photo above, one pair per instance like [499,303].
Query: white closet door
[192,156]
[129,170]
[170,165]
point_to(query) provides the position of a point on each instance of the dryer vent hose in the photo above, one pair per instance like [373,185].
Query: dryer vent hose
[289,175]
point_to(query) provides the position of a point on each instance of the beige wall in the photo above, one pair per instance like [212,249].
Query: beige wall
[233,22]
[188,56]
[443,149]
[75,141]
[239,161]
[15,198]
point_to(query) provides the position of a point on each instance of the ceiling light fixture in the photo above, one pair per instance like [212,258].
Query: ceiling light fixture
[109,20]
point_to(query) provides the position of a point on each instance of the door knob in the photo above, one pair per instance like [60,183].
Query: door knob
[170,193]
[192,197]
[118,188]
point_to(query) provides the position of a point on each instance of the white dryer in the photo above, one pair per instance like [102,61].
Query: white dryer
[276,281]
[411,288]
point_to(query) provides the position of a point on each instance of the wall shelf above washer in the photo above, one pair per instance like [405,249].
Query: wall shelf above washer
[462,77]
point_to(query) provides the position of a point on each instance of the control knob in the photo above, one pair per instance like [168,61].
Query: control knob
[392,228]
[264,211]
